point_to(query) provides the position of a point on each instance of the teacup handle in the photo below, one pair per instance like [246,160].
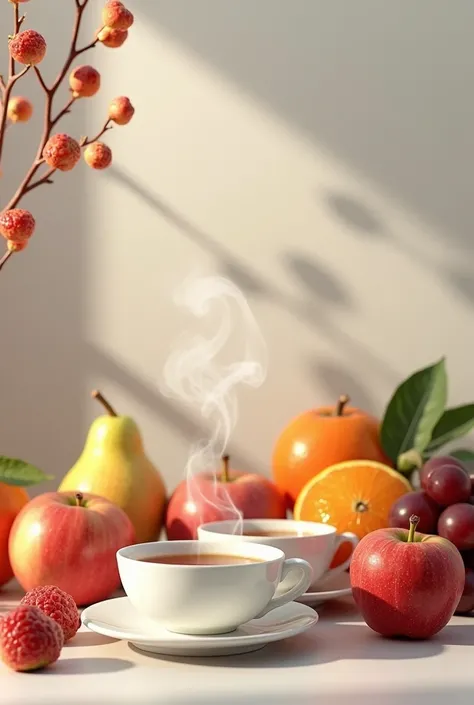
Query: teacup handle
[346,536]
[306,576]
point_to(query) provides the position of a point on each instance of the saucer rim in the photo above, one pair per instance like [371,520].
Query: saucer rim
[205,640]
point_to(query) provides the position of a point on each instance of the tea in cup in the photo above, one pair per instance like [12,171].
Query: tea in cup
[201,587]
[314,542]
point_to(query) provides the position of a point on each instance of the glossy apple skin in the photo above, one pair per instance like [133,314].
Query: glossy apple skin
[253,495]
[55,542]
[406,589]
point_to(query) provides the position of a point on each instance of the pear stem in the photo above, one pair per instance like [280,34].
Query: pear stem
[100,398]
[413,524]
[342,402]
[79,498]
[225,468]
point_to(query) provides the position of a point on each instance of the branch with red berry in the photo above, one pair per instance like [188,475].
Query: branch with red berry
[57,151]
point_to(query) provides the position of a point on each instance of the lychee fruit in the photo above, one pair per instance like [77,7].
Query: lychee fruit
[29,639]
[116,16]
[121,110]
[98,155]
[17,225]
[112,38]
[19,109]
[84,81]
[62,152]
[28,47]
[58,605]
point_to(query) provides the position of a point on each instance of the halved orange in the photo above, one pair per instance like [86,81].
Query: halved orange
[353,496]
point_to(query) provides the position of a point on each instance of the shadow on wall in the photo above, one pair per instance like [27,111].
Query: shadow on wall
[321,291]
[167,413]
[43,368]
[387,92]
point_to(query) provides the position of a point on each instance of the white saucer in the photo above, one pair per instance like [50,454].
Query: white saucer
[117,618]
[330,589]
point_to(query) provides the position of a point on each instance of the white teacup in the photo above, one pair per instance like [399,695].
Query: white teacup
[315,543]
[208,599]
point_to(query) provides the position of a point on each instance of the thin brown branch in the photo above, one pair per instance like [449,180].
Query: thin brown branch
[45,179]
[5,258]
[64,111]
[6,98]
[41,79]
[16,28]
[85,140]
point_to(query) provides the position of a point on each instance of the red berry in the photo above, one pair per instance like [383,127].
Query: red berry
[29,639]
[437,462]
[456,524]
[448,485]
[121,110]
[98,155]
[62,152]
[28,47]
[84,81]
[112,38]
[17,225]
[58,605]
[19,109]
[116,16]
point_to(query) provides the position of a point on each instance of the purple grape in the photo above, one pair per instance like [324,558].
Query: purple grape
[447,485]
[440,461]
[466,603]
[456,524]
[417,503]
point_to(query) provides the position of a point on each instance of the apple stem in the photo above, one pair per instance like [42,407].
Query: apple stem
[100,398]
[414,520]
[225,468]
[342,402]
[79,498]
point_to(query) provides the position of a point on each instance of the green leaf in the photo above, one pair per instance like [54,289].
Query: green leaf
[414,410]
[17,472]
[453,424]
[463,454]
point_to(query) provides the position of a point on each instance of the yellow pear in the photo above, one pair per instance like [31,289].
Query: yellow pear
[113,464]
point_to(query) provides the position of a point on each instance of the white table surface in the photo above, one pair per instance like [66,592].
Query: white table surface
[339,661]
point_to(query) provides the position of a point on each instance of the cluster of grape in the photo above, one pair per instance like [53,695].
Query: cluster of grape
[445,505]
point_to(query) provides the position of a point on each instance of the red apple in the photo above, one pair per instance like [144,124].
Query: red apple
[406,583]
[70,540]
[213,499]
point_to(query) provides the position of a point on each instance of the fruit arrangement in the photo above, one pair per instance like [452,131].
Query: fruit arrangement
[33,634]
[445,506]
[57,150]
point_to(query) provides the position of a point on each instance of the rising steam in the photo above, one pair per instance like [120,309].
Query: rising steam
[197,374]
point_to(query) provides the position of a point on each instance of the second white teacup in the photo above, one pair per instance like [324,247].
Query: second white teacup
[196,587]
[313,542]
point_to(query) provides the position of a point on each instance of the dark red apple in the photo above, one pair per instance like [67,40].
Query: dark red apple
[70,540]
[210,498]
[406,584]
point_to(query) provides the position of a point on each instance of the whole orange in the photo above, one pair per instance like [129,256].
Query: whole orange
[12,499]
[322,437]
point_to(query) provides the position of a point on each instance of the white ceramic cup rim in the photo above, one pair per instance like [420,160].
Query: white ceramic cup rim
[137,552]
[308,529]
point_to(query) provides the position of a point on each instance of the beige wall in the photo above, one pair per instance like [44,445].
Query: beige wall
[318,153]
